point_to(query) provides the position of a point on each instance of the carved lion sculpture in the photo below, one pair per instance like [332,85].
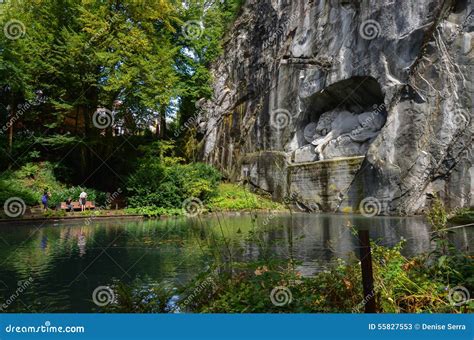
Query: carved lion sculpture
[342,125]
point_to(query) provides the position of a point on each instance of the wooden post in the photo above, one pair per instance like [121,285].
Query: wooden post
[367,275]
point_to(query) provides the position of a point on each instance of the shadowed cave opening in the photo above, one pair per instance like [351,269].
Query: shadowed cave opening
[341,120]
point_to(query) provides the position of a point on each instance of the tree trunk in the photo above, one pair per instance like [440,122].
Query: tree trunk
[157,128]
[10,138]
[10,121]
[163,122]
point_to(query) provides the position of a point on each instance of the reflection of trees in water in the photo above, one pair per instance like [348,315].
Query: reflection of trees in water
[176,250]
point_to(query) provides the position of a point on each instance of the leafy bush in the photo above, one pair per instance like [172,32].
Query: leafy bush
[59,196]
[154,211]
[166,184]
[401,286]
[10,188]
[30,181]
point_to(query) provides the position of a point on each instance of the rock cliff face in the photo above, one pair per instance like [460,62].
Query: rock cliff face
[305,86]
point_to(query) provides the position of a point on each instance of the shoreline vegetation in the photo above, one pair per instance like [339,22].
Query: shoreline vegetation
[426,283]
[462,218]
[432,282]
[29,182]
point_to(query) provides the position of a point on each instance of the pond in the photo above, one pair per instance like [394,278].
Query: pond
[65,262]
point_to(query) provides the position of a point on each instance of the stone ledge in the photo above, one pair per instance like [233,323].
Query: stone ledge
[339,159]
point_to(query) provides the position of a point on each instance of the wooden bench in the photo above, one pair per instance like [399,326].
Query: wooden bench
[76,206]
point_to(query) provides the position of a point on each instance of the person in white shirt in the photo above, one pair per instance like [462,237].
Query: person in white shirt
[82,200]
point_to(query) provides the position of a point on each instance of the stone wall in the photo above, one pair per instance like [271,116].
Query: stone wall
[286,64]
[323,185]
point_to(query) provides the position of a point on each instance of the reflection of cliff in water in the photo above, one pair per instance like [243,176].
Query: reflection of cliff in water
[317,239]
[69,260]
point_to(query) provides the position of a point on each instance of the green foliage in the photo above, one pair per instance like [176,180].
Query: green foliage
[61,195]
[57,141]
[154,212]
[77,56]
[446,262]
[23,151]
[155,184]
[196,55]
[9,188]
[28,183]
[235,197]
[31,180]
[87,54]
[227,197]
[401,286]
[437,215]
[162,181]
[101,50]
[463,216]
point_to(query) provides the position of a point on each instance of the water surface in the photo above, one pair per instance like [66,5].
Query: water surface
[67,261]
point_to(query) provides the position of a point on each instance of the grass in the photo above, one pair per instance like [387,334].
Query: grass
[231,197]
[464,216]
